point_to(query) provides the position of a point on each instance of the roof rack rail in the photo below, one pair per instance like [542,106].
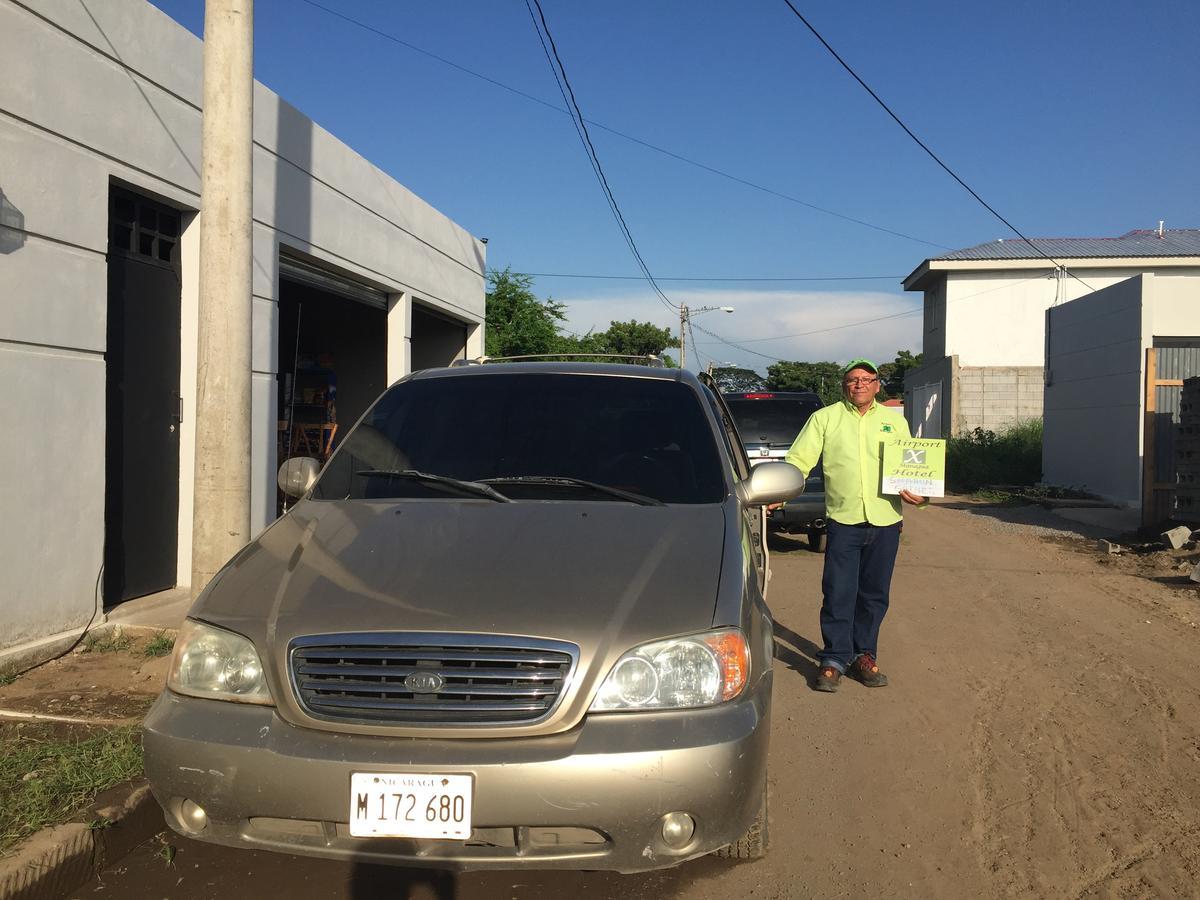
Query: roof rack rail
[651,360]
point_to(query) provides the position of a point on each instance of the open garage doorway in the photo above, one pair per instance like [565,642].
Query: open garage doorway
[332,366]
[437,340]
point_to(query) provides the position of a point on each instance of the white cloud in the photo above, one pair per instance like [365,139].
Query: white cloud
[848,324]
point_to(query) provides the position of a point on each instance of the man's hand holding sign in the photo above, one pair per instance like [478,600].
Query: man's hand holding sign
[914,468]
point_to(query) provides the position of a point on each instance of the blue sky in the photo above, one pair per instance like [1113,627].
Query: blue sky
[1071,119]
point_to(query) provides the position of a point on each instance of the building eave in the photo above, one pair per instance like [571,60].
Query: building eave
[926,274]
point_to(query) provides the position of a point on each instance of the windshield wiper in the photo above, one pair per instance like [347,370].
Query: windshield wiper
[640,499]
[471,488]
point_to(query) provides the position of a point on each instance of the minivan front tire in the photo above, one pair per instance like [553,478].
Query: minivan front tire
[756,841]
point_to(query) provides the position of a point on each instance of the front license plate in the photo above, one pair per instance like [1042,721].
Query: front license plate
[410,804]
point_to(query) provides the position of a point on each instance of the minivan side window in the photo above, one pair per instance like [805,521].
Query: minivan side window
[733,446]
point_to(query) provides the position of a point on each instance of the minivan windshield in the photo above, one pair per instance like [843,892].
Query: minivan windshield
[531,436]
[774,420]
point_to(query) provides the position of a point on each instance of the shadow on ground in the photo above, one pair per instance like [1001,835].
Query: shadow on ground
[797,652]
[1019,517]
[780,542]
[169,865]
[371,882]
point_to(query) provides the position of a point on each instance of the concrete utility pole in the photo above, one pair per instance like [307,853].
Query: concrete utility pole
[683,316]
[221,512]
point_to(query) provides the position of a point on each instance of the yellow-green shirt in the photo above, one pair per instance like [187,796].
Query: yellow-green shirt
[851,448]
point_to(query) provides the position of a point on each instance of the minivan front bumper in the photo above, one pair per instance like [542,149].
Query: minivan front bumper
[591,798]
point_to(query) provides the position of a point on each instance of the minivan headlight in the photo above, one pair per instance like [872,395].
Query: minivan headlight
[217,664]
[680,673]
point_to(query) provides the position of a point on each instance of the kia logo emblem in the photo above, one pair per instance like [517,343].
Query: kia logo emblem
[424,682]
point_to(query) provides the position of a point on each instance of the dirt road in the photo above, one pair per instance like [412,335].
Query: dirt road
[1041,738]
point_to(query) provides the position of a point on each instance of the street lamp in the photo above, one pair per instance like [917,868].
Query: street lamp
[685,313]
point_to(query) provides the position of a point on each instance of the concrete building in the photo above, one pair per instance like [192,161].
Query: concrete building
[1115,364]
[984,334]
[356,282]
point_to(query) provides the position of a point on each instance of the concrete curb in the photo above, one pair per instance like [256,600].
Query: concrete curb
[59,859]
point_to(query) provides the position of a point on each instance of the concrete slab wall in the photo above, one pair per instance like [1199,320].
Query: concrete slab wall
[96,92]
[1093,393]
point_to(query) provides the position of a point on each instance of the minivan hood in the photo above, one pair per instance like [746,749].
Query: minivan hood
[606,576]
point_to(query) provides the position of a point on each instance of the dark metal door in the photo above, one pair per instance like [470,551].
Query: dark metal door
[143,403]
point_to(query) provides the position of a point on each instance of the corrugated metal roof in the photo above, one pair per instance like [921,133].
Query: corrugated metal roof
[1174,242]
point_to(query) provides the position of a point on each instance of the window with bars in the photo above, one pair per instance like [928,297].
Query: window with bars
[140,227]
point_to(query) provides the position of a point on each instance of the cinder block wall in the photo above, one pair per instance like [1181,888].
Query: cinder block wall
[994,397]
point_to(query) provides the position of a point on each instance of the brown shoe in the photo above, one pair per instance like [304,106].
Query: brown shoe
[866,670]
[828,680]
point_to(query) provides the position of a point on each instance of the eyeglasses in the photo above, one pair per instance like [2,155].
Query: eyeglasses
[857,381]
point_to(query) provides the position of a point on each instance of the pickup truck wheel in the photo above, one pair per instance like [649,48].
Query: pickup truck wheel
[754,843]
[816,541]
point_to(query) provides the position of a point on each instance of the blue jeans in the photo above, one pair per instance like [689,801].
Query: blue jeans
[858,575]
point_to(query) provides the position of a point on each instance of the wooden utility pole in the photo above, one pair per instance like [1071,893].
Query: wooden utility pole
[221,510]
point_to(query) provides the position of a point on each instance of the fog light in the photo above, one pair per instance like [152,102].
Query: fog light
[677,830]
[193,818]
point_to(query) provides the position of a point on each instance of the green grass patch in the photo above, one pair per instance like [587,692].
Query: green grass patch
[998,497]
[71,770]
[981,458]
[7,678]
[108,642]
[159,645]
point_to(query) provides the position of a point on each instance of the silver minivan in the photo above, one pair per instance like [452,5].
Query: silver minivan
[518,620]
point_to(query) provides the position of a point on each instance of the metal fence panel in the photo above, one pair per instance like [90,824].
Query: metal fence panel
[927,410]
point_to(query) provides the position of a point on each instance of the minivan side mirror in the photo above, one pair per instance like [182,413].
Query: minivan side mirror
[297,475]
[771,482]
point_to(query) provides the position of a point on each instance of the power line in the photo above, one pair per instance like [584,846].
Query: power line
[679,157]
[564,83]
[695,349]
[735,278]
[924,146]
[737,346]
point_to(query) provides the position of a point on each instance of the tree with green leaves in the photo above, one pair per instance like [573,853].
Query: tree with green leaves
[517,322]
[891,375]
[635,338]
[822,378]
[732,380]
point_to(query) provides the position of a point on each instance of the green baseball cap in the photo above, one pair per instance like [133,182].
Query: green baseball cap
[861,364]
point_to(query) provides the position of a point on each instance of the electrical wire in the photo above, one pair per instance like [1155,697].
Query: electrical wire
[920,143]
[679,157]
[564,84]
[695,347]
[737,346]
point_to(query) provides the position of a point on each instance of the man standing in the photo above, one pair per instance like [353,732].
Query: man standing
[863,523]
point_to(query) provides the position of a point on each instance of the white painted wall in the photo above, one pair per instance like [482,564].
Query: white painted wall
[1094,391]
[998,319]
[100,90]
[1176,310]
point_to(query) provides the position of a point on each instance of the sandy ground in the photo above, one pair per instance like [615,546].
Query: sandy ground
[113,684]
[1041,738]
